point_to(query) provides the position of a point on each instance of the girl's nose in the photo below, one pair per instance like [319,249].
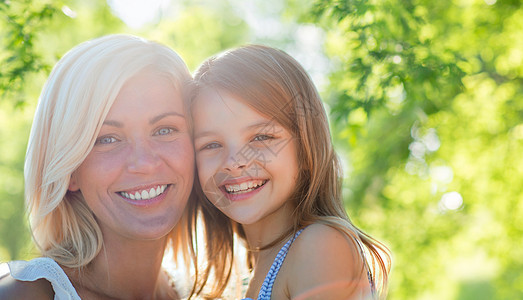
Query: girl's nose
[236,162]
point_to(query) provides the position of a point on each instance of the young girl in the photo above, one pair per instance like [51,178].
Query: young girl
[270,175]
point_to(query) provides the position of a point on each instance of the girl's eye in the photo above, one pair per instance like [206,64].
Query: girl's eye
[164,131]
[211,146]
[104,140]
[262,137]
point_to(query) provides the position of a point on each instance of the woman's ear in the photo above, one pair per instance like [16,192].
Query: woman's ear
[73,183]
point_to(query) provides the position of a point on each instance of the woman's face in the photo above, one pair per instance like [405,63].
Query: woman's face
[138,177]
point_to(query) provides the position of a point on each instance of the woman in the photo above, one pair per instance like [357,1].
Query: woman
[108,174]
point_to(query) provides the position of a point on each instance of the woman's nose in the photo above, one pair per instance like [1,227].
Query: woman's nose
[143,158]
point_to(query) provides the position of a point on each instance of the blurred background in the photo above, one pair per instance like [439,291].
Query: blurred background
[425,100]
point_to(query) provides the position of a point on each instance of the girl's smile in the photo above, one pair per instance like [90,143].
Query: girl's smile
[240,190]
[247,162]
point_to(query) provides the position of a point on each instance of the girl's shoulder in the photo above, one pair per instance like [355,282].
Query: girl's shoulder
[326,262]
[323,243]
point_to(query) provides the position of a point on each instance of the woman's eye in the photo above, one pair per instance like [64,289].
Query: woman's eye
[164,131]
[104,140]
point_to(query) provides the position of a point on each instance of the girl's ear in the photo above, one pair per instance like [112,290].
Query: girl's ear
[73,183]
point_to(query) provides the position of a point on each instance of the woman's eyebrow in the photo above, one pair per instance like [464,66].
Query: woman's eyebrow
[166,114]
[151,121]
[113,123]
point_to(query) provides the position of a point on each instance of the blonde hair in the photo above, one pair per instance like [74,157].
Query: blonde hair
[276,85]
[71,109]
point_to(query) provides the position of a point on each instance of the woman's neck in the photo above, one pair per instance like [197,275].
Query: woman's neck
[124,268]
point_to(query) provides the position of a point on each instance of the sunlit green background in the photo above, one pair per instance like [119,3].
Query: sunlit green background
[426,106]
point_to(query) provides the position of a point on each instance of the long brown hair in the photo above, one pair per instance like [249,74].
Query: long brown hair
[276,85]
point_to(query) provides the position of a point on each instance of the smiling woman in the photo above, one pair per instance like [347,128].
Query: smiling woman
[109,171]
[140,149]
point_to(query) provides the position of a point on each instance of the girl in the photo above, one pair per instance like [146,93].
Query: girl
[269,174]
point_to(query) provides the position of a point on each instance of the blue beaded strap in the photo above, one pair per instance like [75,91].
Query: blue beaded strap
[266,288]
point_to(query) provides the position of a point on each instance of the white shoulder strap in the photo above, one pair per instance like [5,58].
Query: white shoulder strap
[48,269]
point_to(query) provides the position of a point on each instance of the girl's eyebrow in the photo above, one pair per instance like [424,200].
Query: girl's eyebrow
[153,120]
[203,134]
[262,124]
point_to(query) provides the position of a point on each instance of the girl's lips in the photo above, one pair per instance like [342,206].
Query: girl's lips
[245,186]
[244,190]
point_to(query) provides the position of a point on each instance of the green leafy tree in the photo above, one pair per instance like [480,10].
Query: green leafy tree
[427,104]
[21,21]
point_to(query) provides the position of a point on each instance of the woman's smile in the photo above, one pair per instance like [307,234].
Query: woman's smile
[138,176]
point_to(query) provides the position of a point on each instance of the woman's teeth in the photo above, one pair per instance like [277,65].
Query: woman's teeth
[145,194]
[244,186]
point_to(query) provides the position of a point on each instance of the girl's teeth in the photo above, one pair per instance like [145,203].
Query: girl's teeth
[243,187]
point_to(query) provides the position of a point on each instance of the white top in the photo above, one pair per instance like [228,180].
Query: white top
[43,267]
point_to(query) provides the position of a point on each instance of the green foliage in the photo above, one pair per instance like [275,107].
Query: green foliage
[427,103]
[14,234]
[199,32]
[21,21]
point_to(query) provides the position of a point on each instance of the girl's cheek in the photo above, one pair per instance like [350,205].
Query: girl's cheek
[208,167]
[204,166]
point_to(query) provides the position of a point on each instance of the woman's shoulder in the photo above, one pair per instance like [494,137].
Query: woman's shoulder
[39,278]
[11,288]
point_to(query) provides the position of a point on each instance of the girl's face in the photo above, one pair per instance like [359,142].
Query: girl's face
[138,177]
[247,162]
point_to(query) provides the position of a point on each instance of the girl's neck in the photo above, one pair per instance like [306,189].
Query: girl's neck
[270,228]
[124,269]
